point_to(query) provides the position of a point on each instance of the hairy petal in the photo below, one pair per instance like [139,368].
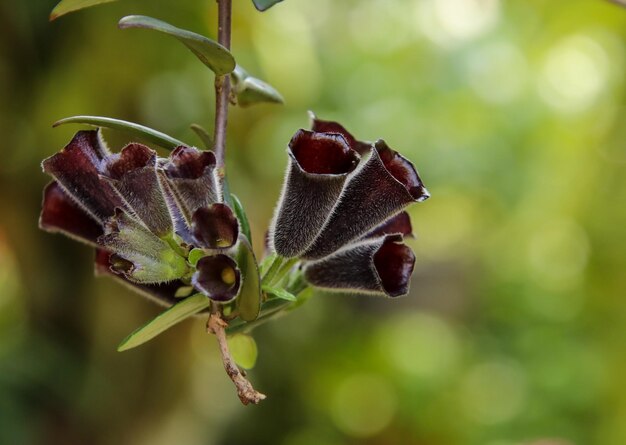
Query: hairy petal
[189,174]
[161,293]
[322,126]
[215,227]
[140,255]
[133,174]
[385,185]
[59,213]
[381,266]
[77,169]
[217,277]
[400,223]
[318,167]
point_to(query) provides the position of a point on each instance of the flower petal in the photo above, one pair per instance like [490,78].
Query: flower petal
[381,266]
[215,227]
[400,223]
[322,126]
[133,174]
[77,169]
[190,175]
[318,167]
[59,213]
[385,185]
[217,277]
[140,255]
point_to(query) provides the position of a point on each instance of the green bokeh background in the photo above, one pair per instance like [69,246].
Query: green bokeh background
[515,328]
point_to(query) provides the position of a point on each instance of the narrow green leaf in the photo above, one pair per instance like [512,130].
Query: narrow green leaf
[251,90]
[267,262]
[243,349]
[177,313]
[241,216]
[249,299]
[67,6]
[204,136]
[279,293]
[211,53]
[148,134]
[262,5]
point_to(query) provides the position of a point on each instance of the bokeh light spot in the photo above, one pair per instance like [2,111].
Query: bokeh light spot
[494,391]
[575,73]
[363,405]
[420,345]
[558,252]
[497,72]
[449,22]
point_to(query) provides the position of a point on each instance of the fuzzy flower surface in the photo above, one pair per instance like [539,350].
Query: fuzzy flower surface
[342,211]
[145,215]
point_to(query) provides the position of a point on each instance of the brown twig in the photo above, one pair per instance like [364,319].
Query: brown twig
[222,89]
[247,394]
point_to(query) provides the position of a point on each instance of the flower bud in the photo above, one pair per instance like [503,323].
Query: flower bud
[147,258]
[161,293]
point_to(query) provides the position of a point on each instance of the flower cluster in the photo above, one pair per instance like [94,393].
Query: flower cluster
[342,211]
[145,215]
[164,227]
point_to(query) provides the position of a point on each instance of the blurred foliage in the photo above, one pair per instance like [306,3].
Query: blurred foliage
[514,331]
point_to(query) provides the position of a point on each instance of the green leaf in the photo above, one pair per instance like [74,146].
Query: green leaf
[148,134]
[204,136]
[194,256]
[249,299]
[177,313]
[262,5]
[243,349]
[67,6]
[267,262]
[251,90]
[211,53]
[241,216]
[279,293]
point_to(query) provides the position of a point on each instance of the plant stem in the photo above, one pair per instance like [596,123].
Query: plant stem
[222,90]
[216,324]
[247,394]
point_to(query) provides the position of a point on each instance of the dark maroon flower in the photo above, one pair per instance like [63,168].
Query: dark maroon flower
[145,214]
[61,214]
[400,223]
[189,175]
[381,266]
[218,277]
[322,126]
[319,164]
[215,227]
[382,187]
[132,173]
[78,168]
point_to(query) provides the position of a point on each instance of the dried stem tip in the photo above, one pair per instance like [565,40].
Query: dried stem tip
[246,392]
